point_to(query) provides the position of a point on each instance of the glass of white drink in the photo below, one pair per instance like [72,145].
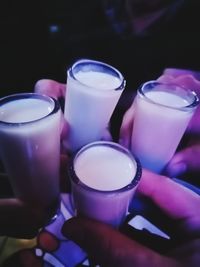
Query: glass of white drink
[30,147]
[93,90]
[104,177]
[162,113]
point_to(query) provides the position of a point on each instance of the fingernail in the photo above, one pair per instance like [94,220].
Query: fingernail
[176,169]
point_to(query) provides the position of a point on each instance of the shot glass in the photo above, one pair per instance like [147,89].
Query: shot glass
[104,177]
[30,147]
[162,113]
[93,91]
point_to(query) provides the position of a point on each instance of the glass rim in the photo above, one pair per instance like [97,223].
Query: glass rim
[134,182]
[154,83]
[70,72]
[19,96]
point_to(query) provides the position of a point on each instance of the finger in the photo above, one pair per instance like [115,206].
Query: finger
[107,246]
[185,160]
[178,72]
[188,252]
[165,78]
[56,90]
[177,201]
[126,127]
[23,258]
[188,81]
[194,124]
[185,78]
[47,241]
[20,220]
[51,88]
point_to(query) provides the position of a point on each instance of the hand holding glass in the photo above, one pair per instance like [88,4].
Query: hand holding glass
[30,147]
[162,113]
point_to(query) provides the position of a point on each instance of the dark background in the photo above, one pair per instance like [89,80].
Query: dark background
[40,39]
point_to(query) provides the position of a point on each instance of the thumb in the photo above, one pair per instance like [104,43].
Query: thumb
[19,219]
[185,160]
[127,126]
[108,247]
[51,88]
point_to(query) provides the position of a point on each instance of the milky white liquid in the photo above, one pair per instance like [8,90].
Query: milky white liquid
[158,129]
[30,151]
[104,169]
[90,101]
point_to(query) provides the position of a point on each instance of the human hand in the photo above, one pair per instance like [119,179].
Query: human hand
[20,219]
[108,247]
[27,218]
[188,159]
[58,91]
[189,80]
